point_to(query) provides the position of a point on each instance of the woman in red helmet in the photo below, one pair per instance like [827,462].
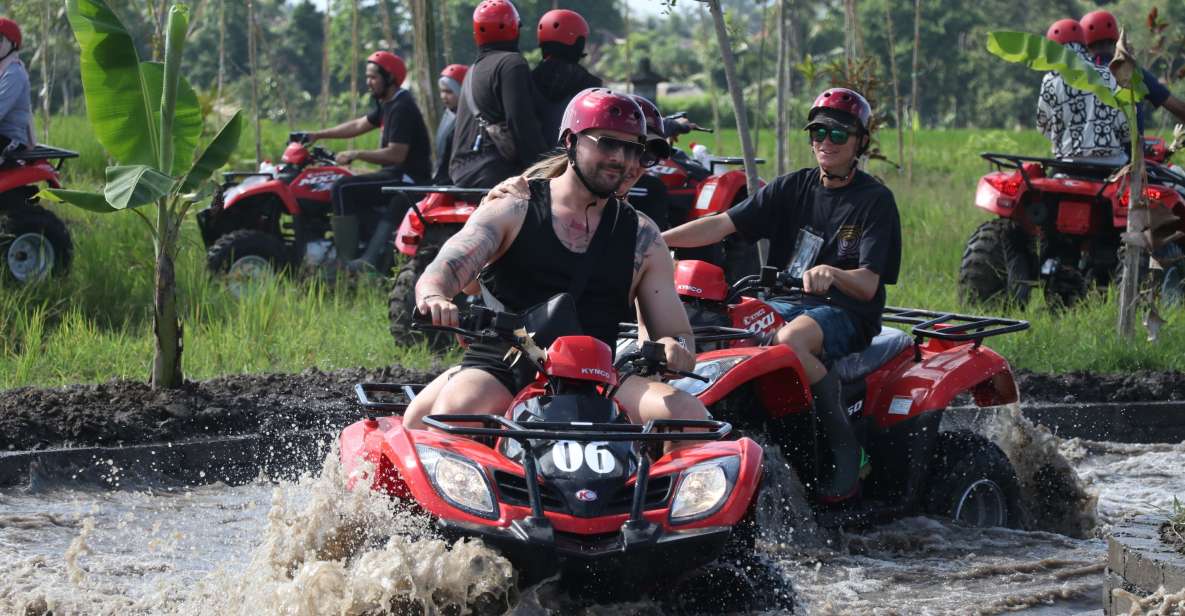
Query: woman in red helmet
[497,130]
[404,152]
[559,76]
[450,81]
[837,229]
[16,109]
[1101,32]
[570,236]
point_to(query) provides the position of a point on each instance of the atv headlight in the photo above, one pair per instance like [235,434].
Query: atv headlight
[703,488]
[461,482]
[713,369]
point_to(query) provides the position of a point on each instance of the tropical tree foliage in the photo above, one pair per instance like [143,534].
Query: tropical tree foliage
[148,119]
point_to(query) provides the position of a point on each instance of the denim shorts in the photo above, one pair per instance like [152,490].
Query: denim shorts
[840,336]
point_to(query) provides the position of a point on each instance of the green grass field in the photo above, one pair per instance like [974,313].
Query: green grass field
[95,324]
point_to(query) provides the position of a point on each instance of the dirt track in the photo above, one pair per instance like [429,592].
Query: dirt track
[123,412]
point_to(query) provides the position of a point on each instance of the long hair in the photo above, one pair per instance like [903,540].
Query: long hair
[551,167]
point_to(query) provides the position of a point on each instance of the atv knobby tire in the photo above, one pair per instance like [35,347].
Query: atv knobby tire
[972,482]
[236,255]
[25,227]
[401,302]
[998,265]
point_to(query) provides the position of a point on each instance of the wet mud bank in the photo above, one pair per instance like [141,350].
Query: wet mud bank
[1143,571]
[231,428]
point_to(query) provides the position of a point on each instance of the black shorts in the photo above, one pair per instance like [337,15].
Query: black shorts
[487,357]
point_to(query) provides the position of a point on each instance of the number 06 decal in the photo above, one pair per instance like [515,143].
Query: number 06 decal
[569,456]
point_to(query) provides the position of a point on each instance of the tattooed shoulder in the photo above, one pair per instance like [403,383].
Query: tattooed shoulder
[649,236]
[506,206]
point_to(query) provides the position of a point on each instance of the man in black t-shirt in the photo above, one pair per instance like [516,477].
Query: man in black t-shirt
[838,229]
[405,154]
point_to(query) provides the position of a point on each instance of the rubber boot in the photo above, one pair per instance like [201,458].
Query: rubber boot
[846,456]
[380,240]
[345,237]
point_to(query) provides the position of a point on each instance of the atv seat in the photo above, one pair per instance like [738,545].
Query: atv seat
[884,346]
[1087,168]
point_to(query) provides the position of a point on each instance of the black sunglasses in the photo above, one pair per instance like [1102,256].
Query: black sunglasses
[608,145]
[839,136]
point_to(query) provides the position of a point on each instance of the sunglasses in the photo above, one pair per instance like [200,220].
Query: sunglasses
[839,136]
[607,145]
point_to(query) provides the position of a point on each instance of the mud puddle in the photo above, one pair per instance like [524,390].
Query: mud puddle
[311,547]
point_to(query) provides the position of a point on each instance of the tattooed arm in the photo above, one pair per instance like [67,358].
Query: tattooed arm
[484,238]
[659,309]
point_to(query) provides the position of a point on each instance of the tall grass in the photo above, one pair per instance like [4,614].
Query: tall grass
[95,324]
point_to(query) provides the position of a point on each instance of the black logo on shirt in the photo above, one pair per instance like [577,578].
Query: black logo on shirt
[849,242]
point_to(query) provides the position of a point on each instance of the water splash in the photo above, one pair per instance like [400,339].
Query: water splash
[1055,498]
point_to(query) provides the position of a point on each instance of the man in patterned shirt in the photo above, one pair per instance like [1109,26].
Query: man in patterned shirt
[1078,124]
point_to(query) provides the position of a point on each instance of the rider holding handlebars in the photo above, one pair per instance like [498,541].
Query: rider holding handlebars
[528,250]
[837,229]
[405,154]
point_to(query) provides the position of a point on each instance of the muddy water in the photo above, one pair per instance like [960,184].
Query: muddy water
[311,547]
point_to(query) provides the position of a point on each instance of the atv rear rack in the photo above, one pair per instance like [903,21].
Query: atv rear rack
[950,326]
[1079,165]
[42,152]
[444,190]
[637,529]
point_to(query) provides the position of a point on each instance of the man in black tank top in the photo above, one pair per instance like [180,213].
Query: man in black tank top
[529,250]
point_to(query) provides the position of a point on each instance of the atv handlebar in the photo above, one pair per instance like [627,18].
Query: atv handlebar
[651,359]
[480,323]
[683,114]
[771,280]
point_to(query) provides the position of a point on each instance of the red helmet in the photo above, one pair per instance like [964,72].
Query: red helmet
[390,63]
[455,72]
[562,26]
[656,137]
[606,109]
[11,31]
[845,100]
[495,21]
[1066,31]
[1099,26]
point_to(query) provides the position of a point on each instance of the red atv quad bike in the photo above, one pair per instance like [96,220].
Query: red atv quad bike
[1058,225]
[563,481]
[276,218]
[426,226]
[34,243]
[697,191]
[894,391]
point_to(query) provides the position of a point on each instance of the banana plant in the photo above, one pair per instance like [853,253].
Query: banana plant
[148,119]
[1042,54]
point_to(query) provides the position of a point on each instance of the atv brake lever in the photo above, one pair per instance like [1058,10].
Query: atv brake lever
[689,375]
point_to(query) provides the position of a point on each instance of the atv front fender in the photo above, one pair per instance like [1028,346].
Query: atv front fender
[915,388]
[271,188]
[29,175]
[435,209]
[718,193]
[781,383]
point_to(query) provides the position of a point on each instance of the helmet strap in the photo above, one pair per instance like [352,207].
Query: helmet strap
[855,163]
[600,194]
